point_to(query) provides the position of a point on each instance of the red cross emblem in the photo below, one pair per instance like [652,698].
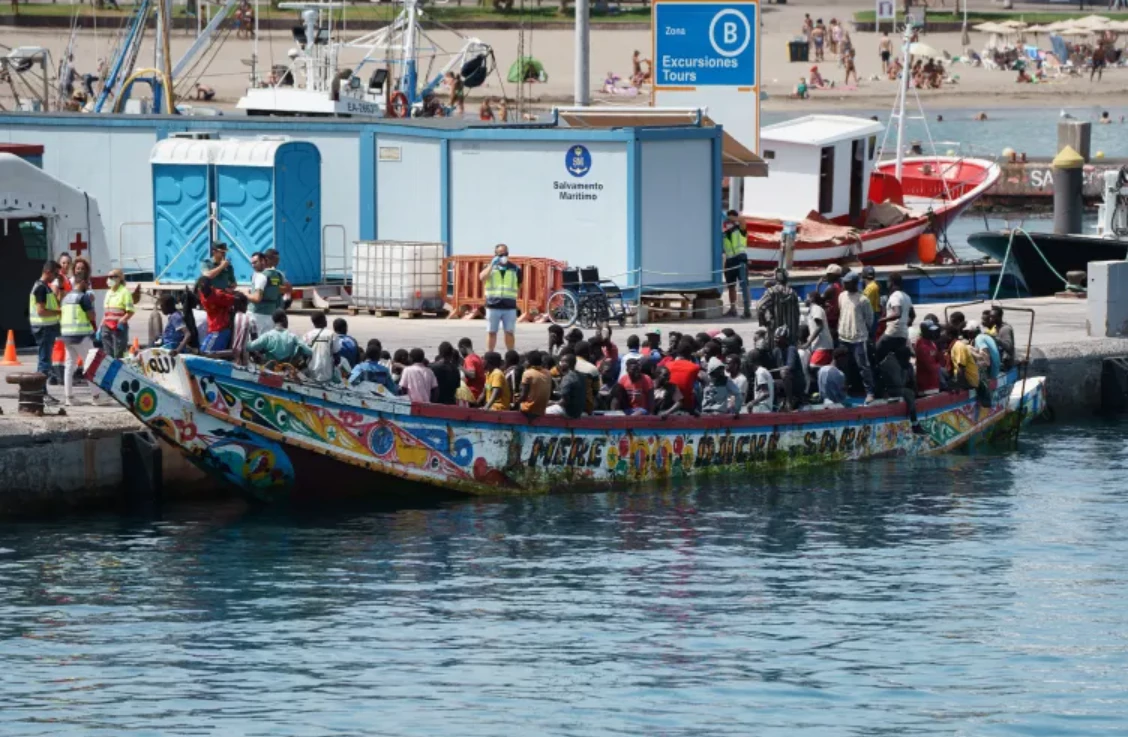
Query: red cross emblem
[78,245]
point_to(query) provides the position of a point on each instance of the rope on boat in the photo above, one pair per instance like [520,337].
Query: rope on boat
[1006,258]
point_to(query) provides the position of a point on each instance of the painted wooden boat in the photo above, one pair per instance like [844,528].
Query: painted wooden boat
[273,437]
[935,189]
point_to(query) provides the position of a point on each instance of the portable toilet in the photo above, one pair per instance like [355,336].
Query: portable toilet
[252,194]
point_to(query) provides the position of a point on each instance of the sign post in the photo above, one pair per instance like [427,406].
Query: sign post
[707,55]
[886,11]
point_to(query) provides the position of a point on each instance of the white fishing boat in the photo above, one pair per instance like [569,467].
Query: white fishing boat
[385,82]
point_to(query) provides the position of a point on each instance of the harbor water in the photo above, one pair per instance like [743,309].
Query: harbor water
[957,595]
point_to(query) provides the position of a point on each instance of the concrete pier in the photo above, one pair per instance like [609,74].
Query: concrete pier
[58,463]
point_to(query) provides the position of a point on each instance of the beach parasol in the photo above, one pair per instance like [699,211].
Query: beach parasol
[1076,32]
[922,49]
[991,27]
[1097,22]
[1015,24]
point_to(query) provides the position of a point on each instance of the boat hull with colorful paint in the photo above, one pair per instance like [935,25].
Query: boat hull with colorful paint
[273,437]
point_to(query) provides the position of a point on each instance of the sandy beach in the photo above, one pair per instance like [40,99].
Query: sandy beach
[611,50]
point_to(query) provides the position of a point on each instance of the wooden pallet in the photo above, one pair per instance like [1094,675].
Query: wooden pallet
[402,314]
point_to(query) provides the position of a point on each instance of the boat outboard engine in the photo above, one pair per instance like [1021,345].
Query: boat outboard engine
[475,71]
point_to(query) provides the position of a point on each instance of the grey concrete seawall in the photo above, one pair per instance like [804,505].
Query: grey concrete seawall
[62,463]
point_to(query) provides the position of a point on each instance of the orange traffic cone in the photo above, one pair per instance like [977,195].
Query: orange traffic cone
[136,347]
[58,358]
[10,351]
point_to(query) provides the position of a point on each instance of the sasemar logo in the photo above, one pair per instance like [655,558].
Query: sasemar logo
[577,161]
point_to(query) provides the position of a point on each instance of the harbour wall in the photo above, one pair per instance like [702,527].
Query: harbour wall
[63,464]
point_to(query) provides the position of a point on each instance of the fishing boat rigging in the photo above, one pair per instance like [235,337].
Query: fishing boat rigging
[316,82]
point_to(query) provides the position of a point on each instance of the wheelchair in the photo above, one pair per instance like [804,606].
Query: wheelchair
[586,299]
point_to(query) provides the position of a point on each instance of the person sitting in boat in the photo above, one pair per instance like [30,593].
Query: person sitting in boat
[348,353]
[611,397]
[573,390]
[685,371]
[555,339]
[638,388]
[652,351]
[790,370]
[668,399]
[325,347]
[928,358]
[987,352]
[763,385]
[280,345]
[175,335]
[633,351]
[497,396]
[896,384]
[371,371]
[965,371]
[831,379]
[721,395]
[536,386]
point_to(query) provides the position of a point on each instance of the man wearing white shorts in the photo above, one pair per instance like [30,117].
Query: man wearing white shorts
[502,281]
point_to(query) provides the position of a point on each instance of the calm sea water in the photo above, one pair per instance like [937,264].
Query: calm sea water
[955,596]
[1030,130]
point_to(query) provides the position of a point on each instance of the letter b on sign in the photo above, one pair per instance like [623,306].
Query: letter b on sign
[730,33]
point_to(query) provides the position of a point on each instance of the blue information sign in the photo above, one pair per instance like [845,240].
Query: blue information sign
[702,44]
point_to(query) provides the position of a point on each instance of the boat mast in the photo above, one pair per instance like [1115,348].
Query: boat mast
[902,94]
[409,84]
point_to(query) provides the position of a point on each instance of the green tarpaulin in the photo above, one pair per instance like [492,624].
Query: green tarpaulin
[527,69]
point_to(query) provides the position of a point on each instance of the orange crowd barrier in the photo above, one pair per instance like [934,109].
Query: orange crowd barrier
[464,291]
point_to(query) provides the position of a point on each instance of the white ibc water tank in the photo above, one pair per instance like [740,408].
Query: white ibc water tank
[398,275]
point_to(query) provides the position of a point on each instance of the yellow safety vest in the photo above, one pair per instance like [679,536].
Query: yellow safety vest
[502,284]
[74,321]
[118,302]
[734,243]
[37,320]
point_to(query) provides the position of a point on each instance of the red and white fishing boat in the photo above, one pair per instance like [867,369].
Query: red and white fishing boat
[825,184]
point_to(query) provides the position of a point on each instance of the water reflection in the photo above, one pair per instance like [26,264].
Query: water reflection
[951,595]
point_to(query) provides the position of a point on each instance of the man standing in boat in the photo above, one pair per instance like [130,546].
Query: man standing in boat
[733,243]
[266,293]
[502,281]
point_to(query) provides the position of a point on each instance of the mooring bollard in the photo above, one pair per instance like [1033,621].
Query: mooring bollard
[32,389]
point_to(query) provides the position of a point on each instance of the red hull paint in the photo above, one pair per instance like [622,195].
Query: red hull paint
[926,182]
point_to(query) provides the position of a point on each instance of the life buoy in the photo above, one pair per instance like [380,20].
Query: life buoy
[398,107]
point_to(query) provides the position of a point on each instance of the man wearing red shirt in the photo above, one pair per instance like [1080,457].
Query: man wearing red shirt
[684,372]
[639,389]
[928,359]
[217,303]
[473,368]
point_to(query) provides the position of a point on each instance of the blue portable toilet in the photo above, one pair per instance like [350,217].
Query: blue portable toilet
[252,194]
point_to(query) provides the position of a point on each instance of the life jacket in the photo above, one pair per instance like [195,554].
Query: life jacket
[52,303]
[502,284]
[74,322]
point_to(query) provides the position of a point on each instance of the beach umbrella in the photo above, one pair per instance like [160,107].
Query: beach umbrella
[991,27]
[1093,21]
[1076,32]
[1015,24]
[922,49]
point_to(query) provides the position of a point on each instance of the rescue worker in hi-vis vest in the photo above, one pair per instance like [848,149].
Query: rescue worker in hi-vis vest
[43,313]
[502,282]
[733,234]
